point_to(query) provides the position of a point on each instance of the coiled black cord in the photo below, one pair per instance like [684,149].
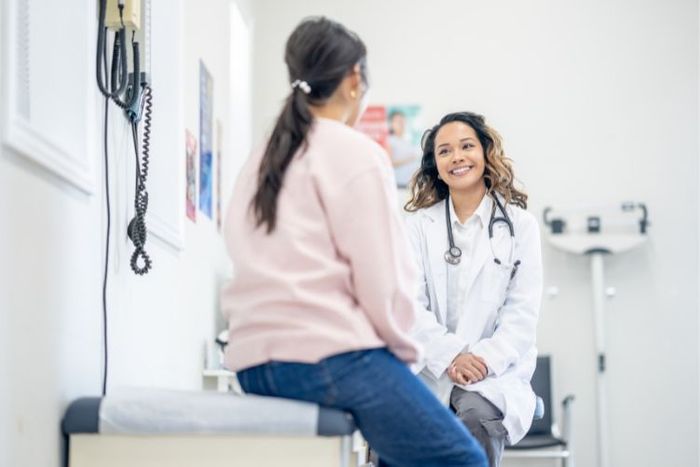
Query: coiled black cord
[140,260]
[146,144]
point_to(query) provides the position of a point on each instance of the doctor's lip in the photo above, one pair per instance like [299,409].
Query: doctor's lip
[461,170]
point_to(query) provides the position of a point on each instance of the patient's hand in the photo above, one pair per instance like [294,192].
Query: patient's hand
[467,369]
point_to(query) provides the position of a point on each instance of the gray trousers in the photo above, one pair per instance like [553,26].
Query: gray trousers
[483,420]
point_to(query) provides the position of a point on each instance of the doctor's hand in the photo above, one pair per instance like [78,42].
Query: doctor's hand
[467,369]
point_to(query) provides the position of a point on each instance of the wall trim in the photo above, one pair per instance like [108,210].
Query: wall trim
[19,132]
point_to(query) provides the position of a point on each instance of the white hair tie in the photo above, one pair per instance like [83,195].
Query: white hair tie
[303,85]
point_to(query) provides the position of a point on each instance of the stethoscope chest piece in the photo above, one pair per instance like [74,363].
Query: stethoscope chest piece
[453,255]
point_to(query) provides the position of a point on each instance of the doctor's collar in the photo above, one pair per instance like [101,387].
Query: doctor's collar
[483,211]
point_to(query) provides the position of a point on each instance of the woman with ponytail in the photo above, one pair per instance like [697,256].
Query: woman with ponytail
[321,304]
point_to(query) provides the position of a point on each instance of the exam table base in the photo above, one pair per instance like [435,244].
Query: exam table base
[93,450]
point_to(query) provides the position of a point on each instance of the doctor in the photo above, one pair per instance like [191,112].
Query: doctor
[479,255]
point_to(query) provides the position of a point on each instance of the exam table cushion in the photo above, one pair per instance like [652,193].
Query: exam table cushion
[150,412]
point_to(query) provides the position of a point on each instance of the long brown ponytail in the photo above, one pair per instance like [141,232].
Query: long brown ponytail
[319,54]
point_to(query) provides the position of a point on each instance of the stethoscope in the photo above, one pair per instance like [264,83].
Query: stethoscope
[454,253]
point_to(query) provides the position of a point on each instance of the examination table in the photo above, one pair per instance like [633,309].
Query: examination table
[162,428]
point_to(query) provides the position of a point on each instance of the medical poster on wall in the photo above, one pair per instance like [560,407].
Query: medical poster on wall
[373,123]
[206,112]
[405,132]
[219,144]
[397,128]
[190,153]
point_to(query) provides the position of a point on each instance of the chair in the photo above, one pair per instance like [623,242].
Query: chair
[543,440]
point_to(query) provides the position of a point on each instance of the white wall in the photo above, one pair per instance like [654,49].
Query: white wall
[597,102]
[52,236]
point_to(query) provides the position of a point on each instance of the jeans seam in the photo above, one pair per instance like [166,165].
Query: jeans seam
[270,380]
[243,380]
[332,391]
[262,386]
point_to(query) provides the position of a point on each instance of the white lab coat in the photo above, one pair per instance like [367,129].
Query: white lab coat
[499,316]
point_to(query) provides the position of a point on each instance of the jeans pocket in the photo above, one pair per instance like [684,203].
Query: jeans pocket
[294,380]
[369,355]
[336,368]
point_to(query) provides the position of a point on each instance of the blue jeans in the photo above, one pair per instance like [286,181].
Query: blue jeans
[396,413]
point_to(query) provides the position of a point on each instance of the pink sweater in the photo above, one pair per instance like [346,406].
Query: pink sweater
[336,274]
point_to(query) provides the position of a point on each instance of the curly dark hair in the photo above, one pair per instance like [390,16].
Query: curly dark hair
[427,189]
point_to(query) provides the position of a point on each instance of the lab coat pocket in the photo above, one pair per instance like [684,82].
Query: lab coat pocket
[494,282]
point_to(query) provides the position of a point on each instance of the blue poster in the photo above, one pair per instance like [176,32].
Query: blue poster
[206,112]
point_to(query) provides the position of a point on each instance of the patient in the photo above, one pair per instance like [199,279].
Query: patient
[322,299]
[478,251]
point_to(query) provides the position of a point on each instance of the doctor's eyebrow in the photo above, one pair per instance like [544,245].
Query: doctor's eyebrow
[468,138]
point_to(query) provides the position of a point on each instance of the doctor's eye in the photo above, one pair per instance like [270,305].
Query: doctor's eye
[468,146]
[443,151]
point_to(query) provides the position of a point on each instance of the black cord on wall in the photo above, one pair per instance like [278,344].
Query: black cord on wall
[137,95]
[109,222]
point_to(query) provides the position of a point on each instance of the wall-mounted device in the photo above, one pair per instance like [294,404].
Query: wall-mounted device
[597,232]
[644,221]
[596,219]
[556,225]
[593,224]
[127,84]
[125,81]
[129,18]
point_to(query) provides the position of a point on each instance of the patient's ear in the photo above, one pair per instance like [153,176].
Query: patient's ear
[356,78]
[349,87]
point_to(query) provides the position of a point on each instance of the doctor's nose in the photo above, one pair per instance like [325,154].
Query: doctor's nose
[457,157]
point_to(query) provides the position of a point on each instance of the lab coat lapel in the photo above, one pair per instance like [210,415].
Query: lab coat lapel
[483,253]
[437,244]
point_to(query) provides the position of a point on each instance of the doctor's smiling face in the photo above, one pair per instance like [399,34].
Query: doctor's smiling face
[462,154]
[459,157]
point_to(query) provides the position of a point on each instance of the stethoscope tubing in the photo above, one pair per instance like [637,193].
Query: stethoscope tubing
[454,253]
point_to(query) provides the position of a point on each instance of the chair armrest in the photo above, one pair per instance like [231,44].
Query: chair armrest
[539,409]
[566,418]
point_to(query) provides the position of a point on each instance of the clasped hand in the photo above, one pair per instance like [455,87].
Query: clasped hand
[467,368]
